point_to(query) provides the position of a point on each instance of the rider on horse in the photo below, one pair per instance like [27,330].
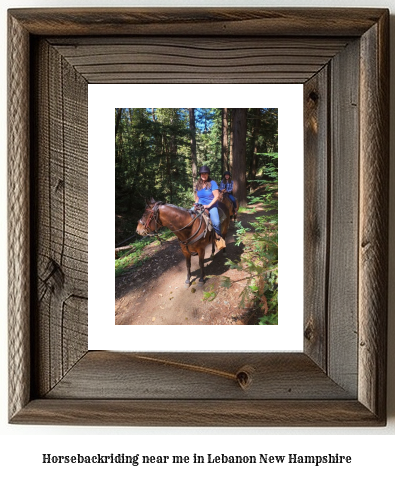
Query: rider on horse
[207,194]
[226,186]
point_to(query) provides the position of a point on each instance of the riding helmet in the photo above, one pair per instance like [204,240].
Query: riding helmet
[204,169]
[226,172]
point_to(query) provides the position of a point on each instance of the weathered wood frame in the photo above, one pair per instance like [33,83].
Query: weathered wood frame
[340,379]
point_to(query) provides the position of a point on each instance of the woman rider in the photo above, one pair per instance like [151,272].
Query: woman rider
[207,194]
[226,186]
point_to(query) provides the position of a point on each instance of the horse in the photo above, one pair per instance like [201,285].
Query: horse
[190,228]
[224,198]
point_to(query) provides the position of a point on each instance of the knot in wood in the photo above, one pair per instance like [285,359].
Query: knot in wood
[54,277]
[313,96]
[244,376]
[308,332]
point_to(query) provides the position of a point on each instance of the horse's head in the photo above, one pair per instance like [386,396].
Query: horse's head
[149,223]
[221,195]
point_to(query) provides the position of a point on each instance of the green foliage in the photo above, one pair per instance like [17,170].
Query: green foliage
[260,257]
[153,152]
[131,257]
[226,282]
[135,256]
[270,319]
[240,232]
[209,295]
[242,209]
[269,166]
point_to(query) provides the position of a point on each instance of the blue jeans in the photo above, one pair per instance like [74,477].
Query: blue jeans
[214,216]
[232,198]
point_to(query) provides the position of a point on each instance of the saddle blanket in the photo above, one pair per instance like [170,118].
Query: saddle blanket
[222,217]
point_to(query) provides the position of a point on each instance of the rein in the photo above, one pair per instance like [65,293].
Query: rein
[154,214]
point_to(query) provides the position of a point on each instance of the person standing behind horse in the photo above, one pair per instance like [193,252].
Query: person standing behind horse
[207,193]
[226,186]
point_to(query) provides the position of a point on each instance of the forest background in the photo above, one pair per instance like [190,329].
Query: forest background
[158,152]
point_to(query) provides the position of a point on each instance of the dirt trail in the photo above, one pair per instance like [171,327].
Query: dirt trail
[154,293]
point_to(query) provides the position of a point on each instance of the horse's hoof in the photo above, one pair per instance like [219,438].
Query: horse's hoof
[187,285]
[201,283]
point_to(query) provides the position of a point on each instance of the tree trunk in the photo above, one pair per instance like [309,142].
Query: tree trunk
[136,175]
[118,119]
[173,159]
[232,113]
[239,128]
[193,146]
[168,152]
[118,138]
[225,149]
[255,135]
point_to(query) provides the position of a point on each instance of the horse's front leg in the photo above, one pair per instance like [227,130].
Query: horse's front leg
[187,256]
[201,252]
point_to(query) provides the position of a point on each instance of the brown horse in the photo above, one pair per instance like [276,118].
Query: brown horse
[189,227]
[224,198]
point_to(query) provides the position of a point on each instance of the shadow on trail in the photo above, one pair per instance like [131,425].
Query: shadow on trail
[164,258]
[169,259]
[217,265]
[154,293]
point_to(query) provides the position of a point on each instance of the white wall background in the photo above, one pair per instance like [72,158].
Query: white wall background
[22,446]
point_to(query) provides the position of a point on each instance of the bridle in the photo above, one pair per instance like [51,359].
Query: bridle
[154,214]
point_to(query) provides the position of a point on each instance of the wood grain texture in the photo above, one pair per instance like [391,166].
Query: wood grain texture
[18,214]
[316,214]
[260,22]
[343,253]
[204,375]
[373,229]
[314,388]
[61,223]
[191,59]
[201,413]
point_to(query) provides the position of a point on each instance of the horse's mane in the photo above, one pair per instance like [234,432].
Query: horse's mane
[177,207]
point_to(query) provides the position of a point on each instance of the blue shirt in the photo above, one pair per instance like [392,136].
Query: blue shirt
[227,186]
[206,195]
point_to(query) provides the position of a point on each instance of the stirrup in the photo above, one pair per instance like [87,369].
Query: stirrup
[219,242]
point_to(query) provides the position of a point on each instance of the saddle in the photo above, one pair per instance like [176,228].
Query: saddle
[199,209]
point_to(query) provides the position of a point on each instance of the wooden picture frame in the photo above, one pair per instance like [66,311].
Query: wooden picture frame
[342,58]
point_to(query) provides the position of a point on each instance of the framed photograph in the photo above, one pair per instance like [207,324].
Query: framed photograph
[150,278]
[341,59]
